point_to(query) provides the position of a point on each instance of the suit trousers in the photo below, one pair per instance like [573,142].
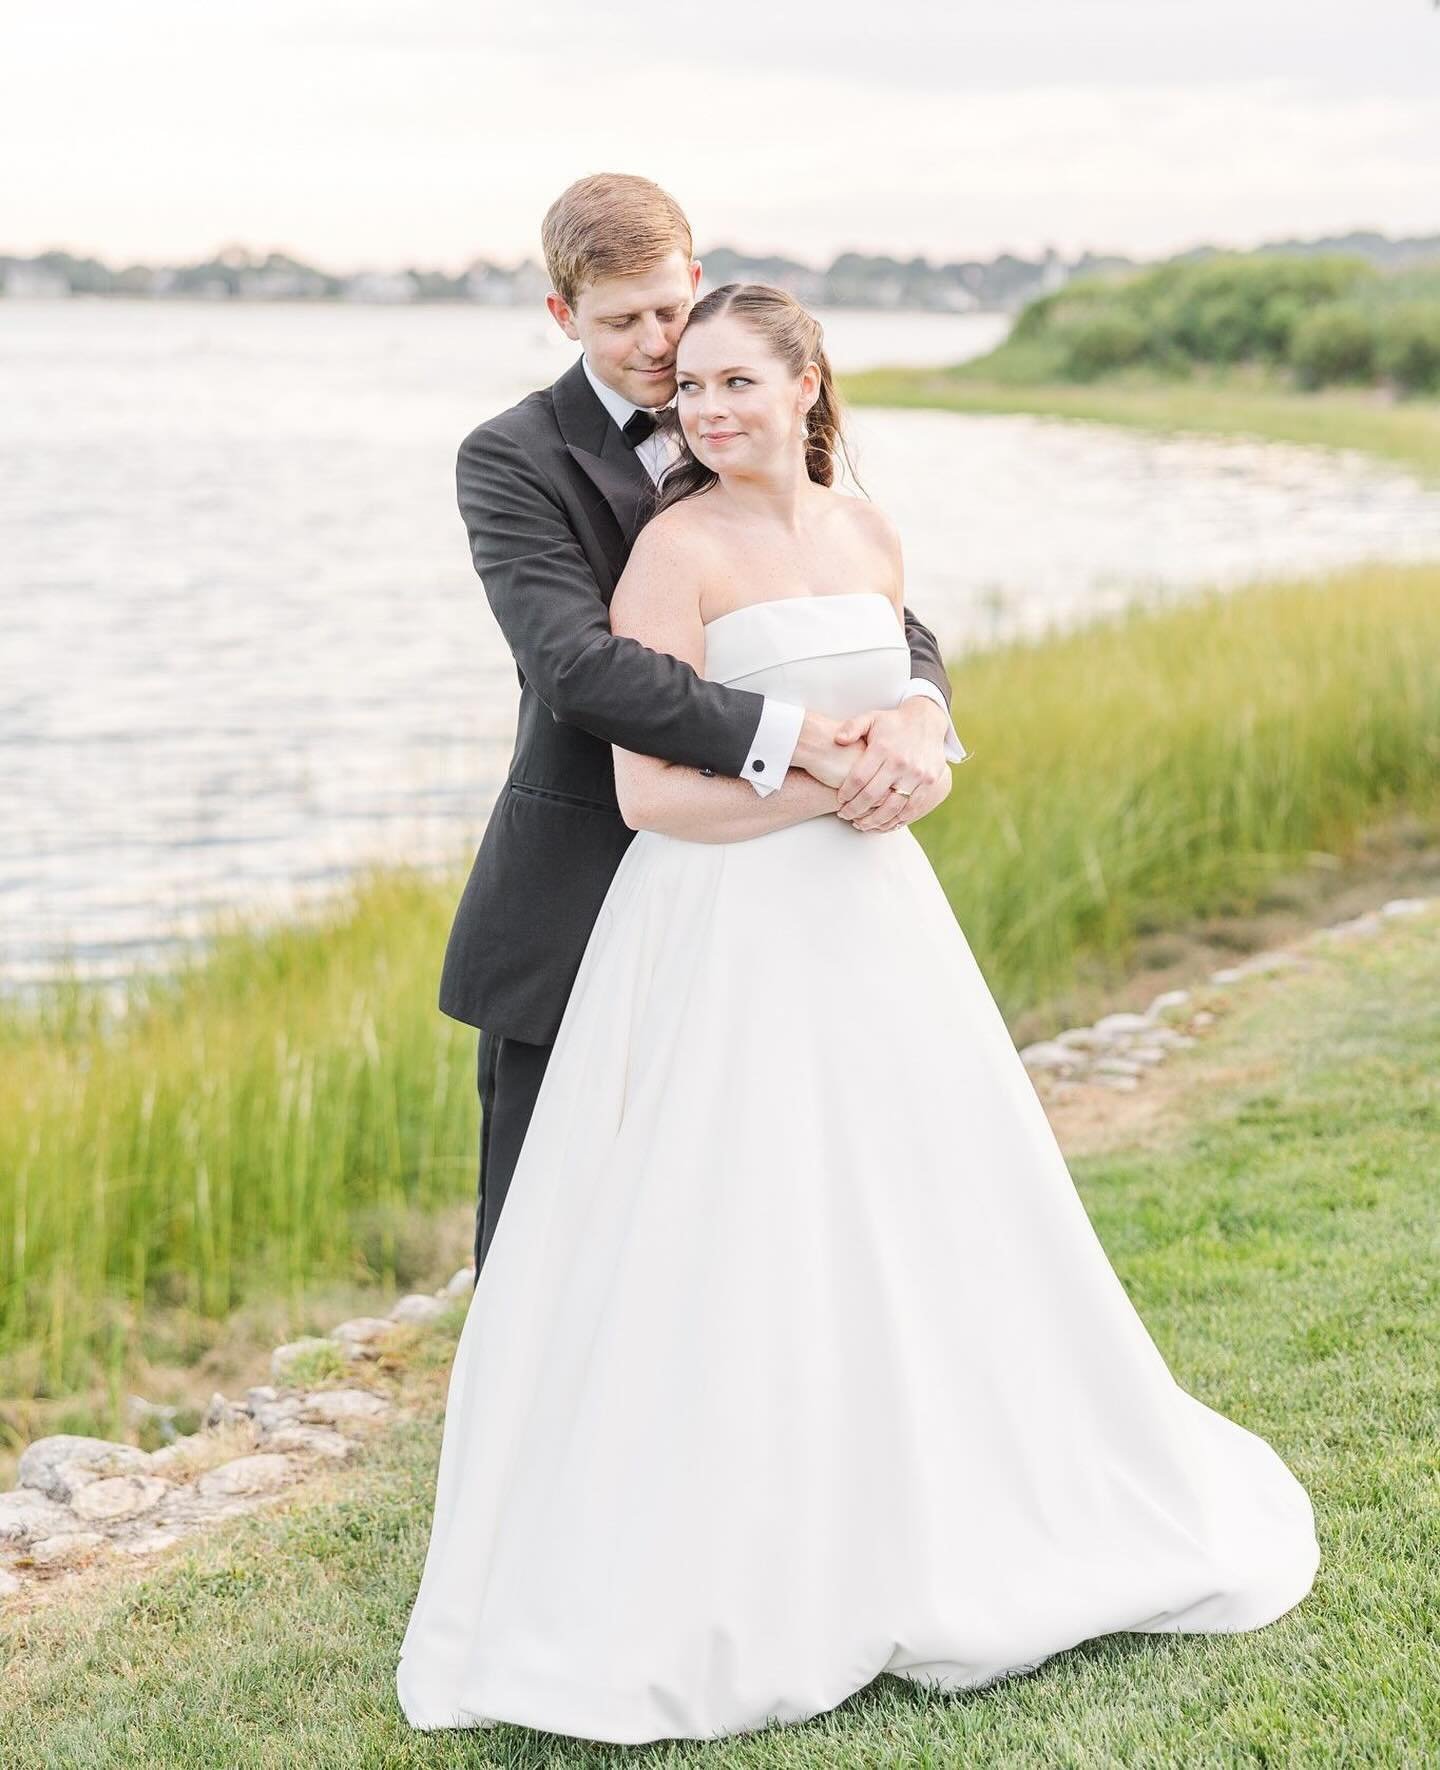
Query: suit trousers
[509,1072]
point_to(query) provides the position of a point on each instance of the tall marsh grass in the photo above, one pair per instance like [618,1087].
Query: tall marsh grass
[1144,771]
[278,1110]
[294,1105]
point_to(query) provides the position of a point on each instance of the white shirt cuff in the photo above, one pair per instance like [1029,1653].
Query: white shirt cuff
[955,751]
[775,739]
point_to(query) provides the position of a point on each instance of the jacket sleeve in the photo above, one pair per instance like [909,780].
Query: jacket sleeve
[550,609]
[925,655]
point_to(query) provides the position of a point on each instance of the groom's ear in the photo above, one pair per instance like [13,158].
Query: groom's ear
[561,313]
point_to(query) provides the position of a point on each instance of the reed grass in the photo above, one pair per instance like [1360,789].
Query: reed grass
[1159,766]
[293,1107]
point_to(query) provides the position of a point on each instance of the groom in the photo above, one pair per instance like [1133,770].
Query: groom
[553,492]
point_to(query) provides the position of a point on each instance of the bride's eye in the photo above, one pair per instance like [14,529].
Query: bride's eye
[735,378]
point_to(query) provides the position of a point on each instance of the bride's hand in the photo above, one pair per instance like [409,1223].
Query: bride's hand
[901,772]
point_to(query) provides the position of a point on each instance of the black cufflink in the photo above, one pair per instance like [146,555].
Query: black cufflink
[709,771]
[757,765]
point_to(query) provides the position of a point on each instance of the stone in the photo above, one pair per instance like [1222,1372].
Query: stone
[1078,1038]
[119,1496]
[1369,923]
[1115,1066]
[461,1283]
[1123,1082]
[222,1412]
[270,1416]
[71,1545]
[283,1357]
[1047,1054]
[1168,999]
[58,1465]
[417,1308]
[9,1583]
[1406,906]
[1203,1018]
[331,1406]
[1281,959]
[26,1515]
[363,1336]
[261,1473]
[1109,1025]
[174,1456]
[151,1543]
[141,1412]
[320,1441]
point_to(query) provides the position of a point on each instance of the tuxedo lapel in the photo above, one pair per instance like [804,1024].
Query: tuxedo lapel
[603,455]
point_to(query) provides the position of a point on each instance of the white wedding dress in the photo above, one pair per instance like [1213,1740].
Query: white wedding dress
[795,1358]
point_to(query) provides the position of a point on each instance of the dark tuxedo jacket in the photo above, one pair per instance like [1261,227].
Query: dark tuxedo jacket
[553,497]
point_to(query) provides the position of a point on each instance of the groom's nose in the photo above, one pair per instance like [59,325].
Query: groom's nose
[653,340]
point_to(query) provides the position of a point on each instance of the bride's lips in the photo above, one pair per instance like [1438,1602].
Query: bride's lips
[719,435]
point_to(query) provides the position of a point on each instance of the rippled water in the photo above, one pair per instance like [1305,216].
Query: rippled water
[245,648]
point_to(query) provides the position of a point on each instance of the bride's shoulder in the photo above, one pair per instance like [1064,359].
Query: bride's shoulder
[869,520]
[680,531]
[871,531]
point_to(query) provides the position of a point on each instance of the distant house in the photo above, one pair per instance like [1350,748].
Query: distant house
[34,282]
[380,285]
[287,283]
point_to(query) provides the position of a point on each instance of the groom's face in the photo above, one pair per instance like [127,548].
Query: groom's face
[629,327]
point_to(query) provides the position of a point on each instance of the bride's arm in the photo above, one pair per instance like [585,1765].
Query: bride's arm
[657,601]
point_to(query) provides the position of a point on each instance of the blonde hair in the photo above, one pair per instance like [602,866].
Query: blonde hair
[610,224]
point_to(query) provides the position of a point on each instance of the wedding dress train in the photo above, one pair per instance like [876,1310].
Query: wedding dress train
[795,1358]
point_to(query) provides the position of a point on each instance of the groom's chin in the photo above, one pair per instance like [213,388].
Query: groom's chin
[652,390]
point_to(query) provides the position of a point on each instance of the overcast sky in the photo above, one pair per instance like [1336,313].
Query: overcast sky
[431,132]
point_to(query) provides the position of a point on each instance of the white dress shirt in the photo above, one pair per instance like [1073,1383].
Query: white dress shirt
[780,721]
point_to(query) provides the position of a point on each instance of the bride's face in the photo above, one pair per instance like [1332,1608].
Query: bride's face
[739,405]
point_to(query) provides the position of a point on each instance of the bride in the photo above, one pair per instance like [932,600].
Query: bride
[795,1357]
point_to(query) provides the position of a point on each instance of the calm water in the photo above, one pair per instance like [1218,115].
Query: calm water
[245,648]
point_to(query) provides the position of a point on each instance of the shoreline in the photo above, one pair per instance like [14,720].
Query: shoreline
[1404,432]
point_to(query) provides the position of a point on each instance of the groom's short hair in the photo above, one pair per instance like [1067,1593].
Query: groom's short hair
[611,224]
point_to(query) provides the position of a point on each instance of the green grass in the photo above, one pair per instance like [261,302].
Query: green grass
[288,1108]
[1279,1237]
[1161,766]
[1238,403]
[295,1110]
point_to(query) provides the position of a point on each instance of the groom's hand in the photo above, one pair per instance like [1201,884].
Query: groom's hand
[900,772]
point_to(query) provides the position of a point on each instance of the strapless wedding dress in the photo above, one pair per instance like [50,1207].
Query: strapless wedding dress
[795,1358]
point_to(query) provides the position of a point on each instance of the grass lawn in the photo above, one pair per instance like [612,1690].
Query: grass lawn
[1277,1226]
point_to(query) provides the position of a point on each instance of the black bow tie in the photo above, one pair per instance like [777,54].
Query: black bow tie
[638,426]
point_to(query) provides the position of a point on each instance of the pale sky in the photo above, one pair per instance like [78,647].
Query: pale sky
[431,132]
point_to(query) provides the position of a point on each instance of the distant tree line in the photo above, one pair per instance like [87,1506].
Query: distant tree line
[1319,320]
